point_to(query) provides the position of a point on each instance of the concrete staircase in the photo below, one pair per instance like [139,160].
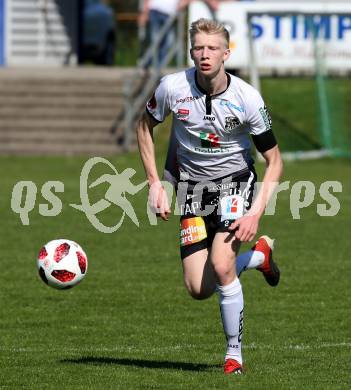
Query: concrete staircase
[65,111]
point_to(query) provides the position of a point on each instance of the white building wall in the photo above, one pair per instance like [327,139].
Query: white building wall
[41,32]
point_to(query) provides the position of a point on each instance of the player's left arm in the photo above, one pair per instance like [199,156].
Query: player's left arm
[247,225]
[260,128]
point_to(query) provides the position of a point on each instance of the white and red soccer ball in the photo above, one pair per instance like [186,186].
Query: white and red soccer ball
[62,263]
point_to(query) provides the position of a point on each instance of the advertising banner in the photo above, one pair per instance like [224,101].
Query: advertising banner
[285,34]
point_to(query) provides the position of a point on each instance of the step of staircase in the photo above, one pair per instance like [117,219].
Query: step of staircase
[61,111]
[66,101]
[33,112]
[35,148]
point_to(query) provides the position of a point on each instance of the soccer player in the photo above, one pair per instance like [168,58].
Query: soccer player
[214,115]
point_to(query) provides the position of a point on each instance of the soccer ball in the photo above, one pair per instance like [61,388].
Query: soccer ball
[62,263]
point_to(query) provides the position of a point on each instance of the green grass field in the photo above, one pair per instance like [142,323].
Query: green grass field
[294,106]
[131,324]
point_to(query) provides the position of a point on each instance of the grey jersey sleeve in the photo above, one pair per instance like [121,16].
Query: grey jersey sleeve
[159,104]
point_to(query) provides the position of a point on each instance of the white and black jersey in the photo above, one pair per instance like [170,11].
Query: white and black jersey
[211,133]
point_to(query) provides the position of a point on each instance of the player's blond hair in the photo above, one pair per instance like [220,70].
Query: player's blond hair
[208,26]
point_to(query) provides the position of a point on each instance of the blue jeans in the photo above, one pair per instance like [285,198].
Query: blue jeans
[157,20]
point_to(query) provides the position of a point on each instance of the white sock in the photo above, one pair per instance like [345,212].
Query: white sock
[248,260]
[231,304]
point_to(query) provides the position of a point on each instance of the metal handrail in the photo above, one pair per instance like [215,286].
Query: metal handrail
[151,54]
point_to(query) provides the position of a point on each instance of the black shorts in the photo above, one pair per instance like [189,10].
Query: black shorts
[210,207]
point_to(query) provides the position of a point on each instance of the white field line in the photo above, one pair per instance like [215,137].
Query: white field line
[253,346]
[299,346]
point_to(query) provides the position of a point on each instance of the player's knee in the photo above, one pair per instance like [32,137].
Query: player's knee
[222,270]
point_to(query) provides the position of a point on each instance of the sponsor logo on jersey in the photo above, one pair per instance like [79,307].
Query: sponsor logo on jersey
[152,103]
[209,118]
[187,99]
[231,105]
[231,122]
[183,114]
[192,230]
[214,150]
[209,140]
[266,118]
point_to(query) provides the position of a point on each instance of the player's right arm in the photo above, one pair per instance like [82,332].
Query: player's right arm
[145,138]
[157,195]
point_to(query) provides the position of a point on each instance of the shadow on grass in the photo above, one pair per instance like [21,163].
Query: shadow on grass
[141,363]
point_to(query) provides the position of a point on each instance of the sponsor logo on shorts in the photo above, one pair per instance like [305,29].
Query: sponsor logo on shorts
[223,186]
[232,207]
[192,230]
[190,208]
